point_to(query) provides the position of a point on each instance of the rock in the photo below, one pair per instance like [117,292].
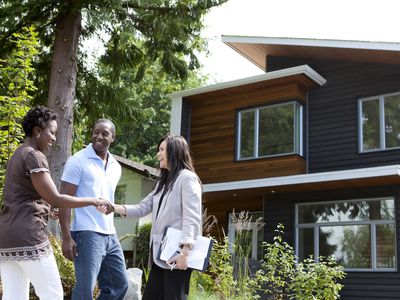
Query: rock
[135,284]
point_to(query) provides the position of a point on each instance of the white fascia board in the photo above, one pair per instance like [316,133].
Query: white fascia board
[386,46]
[176,116]
[304,178]
[303,69]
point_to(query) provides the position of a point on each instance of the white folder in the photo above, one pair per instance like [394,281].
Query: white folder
[199,256]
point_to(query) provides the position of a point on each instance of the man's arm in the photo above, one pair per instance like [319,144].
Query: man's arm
[68,244]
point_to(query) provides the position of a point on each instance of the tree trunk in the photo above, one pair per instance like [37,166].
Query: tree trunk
[62,88]
[62,91]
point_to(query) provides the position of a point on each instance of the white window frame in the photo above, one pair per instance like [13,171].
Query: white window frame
[372,223]
[382,136]
[298,131]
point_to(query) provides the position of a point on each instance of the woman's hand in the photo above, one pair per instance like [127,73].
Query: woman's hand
[179,261]
[106,209]
[109,208]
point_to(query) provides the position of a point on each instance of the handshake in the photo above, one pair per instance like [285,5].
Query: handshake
[106,208]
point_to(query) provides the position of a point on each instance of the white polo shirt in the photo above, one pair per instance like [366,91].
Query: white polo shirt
[85,169]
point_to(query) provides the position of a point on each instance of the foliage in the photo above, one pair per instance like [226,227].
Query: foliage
[220,278]
[241,248]
[140,111]
[141,245]
[282,277]
[277,268]
[65,267]
[229,275]
[15,88]
[317,280]
[136,35]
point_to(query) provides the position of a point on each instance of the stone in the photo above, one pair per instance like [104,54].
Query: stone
[135,284]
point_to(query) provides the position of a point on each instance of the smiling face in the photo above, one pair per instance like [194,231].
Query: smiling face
[47,135]
[162,155]
[102,137]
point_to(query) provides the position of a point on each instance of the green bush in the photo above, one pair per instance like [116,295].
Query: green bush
[16,74]
[228,276]
[282,277]
[317,280]
[141,240]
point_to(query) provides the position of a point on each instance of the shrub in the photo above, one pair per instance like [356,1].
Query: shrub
[317,280]
[282,277]
[141,245]
[16,73]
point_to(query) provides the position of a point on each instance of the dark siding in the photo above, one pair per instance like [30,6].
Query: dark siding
[185,120]
[332,111]
[357,285]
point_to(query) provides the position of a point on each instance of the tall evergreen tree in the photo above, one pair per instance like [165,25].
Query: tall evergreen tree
[168,32]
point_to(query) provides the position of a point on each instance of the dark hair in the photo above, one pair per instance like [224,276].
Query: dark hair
[106,121]
[179,158]
[37,116]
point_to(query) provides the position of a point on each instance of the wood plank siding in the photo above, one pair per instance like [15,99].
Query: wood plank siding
[213,131]
[332,111]
[357,285]
[222,206]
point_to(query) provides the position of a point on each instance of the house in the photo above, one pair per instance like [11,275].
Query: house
[313,144]
[137,181]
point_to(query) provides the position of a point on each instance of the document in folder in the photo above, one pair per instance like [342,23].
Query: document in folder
[199,256]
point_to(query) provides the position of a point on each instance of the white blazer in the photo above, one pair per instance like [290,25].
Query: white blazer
[180,209]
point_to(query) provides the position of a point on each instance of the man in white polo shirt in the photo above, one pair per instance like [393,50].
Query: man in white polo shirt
[91,242]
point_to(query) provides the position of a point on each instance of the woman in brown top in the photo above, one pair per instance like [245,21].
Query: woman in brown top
[25,251]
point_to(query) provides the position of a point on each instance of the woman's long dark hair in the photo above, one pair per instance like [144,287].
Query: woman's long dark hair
[179,158]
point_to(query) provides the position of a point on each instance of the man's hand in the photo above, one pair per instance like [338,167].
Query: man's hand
[54,213]
[106,209]
[69,249]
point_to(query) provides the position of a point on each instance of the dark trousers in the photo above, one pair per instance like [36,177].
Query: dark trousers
[164,284]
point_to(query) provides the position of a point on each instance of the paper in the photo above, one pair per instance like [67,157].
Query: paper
[199,256]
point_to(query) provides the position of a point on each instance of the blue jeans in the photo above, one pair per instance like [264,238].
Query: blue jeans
[99,257]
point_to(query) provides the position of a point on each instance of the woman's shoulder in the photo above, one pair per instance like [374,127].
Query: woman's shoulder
[30,152]
[186,174]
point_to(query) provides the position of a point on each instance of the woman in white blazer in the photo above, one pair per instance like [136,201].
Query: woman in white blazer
[175,202]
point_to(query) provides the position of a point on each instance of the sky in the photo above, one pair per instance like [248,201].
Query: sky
[360,20]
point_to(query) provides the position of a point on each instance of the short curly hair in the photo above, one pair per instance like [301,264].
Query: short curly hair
[37,116]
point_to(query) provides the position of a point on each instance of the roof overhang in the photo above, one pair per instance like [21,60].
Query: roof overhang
[303,70]
[354,178]
[257,49]
[137,167]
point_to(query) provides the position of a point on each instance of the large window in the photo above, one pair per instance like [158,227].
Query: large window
[379,122]
[269,130]
[360,234]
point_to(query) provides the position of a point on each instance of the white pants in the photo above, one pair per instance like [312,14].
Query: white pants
[43,273]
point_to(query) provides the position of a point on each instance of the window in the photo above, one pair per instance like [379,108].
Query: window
[120,194]
[360,234]
[379,122]
[248,231]
[269,130]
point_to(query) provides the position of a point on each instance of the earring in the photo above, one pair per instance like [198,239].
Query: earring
[38,136]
